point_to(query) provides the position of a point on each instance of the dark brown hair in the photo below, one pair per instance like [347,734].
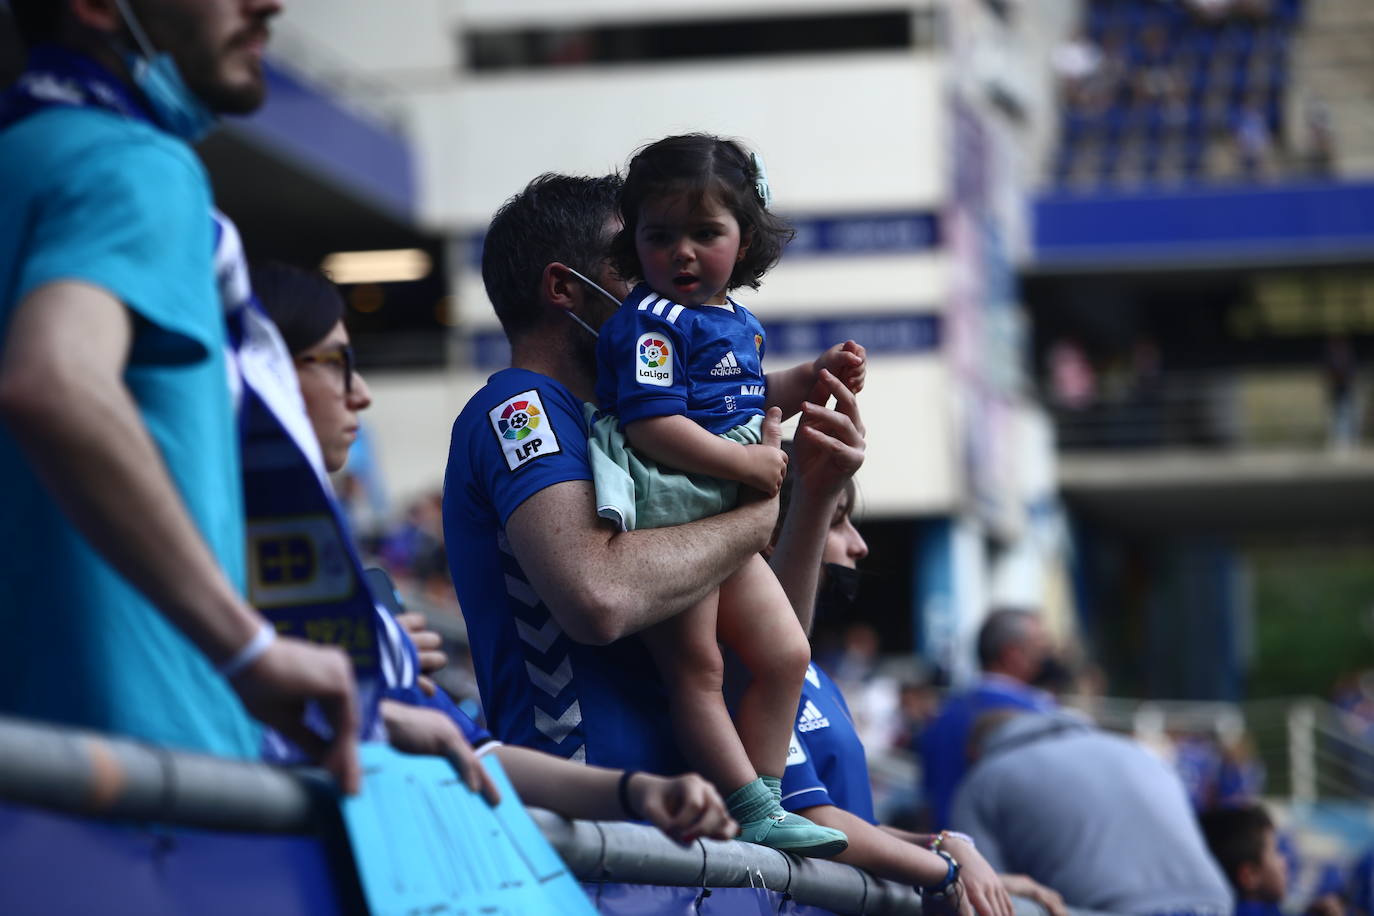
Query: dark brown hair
[701,165]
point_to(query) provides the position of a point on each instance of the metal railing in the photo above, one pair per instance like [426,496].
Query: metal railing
[1203,410]
[1308,752]
[103,777]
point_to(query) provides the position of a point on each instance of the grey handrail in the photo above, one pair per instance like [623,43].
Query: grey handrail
[99,775]
[84,772]
[636,854]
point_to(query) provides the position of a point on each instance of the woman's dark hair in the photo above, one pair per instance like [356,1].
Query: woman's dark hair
[304,304]
[700,165]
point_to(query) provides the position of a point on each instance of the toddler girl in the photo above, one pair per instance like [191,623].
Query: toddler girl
[679,375]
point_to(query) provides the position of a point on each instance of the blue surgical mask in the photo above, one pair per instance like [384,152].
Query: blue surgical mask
[175,107]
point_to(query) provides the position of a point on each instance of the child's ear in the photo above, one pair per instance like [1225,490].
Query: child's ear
[745,239]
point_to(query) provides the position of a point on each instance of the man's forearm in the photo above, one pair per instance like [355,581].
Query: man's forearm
[601,585]
[796,558]
[874,850]
[63,399]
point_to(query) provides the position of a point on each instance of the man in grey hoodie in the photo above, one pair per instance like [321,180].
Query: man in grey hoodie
[1093,815]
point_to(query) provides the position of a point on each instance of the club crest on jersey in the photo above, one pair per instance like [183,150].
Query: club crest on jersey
[523,430]
[654,361]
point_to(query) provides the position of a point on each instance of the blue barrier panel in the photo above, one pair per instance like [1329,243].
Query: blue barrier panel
[425,843]
[56,863]
[655,900]
[1290,223]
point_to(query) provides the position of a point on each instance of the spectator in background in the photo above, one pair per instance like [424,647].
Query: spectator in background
[1342,393]
[1254,143]
[827,777]
[1246,846]
[1076,63]
[420,718]
[1095,816]
[1013,651]
[122,552]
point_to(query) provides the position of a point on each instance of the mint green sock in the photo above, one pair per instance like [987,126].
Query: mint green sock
[751,802]
[774,784]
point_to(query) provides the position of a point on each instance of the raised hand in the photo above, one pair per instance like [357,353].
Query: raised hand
[848,362]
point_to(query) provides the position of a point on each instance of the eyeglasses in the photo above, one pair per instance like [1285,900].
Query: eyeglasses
[340,358]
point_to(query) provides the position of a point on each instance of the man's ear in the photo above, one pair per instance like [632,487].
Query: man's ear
[97,15]
[558,287]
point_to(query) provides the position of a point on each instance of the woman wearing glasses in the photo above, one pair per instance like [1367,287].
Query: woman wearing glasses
[308,311]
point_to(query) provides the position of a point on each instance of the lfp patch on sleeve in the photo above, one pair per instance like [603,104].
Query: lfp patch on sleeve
[654,360]
[523,429]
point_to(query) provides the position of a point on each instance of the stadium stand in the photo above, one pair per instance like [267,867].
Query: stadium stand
[1164,94]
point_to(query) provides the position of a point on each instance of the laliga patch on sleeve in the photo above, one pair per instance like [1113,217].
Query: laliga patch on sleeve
[523,429]
[795,754]
[654,360]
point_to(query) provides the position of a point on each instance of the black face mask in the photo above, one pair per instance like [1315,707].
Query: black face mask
[1053,675]
[838,590]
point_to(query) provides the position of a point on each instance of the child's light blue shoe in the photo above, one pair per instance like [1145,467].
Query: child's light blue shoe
[763,821]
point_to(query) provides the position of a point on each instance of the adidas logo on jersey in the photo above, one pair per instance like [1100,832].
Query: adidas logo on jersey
[811,718]
[727,366]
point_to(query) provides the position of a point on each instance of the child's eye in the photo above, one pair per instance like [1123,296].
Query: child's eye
[705,235]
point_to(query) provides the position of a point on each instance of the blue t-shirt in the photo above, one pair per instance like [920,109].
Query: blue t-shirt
[89,196]
[826,764]
[656,358]
[944,743]
[604,705]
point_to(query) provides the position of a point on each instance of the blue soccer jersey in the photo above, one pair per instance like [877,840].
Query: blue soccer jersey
[826,764]
[603,705]
[656,358]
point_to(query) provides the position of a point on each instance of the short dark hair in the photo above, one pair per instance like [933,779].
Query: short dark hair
[555,218]
[38,20]
[303,304]
[1004,627]
[700,164]
[1236,836]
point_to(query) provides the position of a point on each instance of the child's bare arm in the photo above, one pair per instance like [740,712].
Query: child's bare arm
[788,388]
[677,442]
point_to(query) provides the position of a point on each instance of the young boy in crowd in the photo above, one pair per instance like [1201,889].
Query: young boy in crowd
[1246,845]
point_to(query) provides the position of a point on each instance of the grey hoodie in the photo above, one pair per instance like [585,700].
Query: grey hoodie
[1091,814]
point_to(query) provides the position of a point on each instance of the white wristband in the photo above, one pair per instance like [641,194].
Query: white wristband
[266,635]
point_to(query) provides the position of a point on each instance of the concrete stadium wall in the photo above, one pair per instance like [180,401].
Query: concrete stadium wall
[908,407]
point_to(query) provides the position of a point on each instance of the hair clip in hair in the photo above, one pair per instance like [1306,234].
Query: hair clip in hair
[761,188]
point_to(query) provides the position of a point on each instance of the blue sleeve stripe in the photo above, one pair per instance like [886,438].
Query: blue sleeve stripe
[821,797]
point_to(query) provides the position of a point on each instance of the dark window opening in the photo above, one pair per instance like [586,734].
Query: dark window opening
[523,49]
